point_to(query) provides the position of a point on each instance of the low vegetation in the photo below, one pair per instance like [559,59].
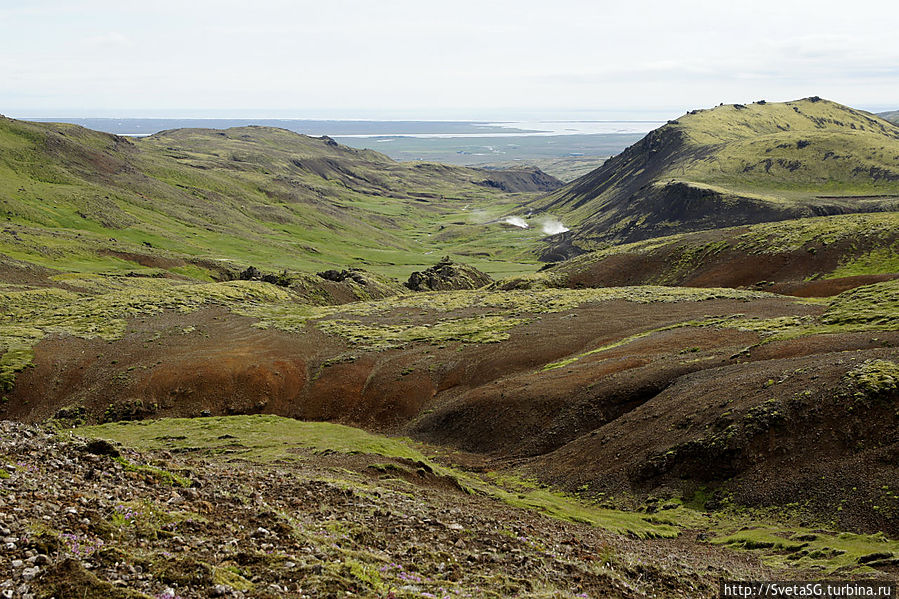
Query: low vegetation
[275,440]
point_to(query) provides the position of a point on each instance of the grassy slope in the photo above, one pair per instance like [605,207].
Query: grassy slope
[253,195]
[737,164]
[891,116]
[814,147]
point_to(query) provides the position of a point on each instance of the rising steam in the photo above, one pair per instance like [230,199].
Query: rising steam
[516,221]
[552,226]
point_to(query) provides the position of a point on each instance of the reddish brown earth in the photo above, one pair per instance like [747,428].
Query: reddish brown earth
[16,272]
[643,418]
[225,365]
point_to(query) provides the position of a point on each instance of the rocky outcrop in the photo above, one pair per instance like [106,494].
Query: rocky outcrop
[339,276]
[447,275]
[523,179]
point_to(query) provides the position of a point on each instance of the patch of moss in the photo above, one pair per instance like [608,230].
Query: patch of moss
[875,378]
[485,329]
[365,574]
[806,549]
[256,437]
[877,261]
[871,306]
[229,576]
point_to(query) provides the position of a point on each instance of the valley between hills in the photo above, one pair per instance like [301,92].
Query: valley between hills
[252,363]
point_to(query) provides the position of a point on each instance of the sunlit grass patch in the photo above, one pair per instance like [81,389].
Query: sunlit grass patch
[828,552]
[256,438]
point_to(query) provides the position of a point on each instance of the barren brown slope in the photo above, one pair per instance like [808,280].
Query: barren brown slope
[789,426]
[541,376]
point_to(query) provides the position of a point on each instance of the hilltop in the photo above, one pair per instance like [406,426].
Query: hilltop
[730,165]
[891,116]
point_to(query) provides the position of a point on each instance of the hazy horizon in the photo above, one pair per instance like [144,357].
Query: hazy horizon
[495,115]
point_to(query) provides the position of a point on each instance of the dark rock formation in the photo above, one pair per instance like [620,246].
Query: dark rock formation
[339,276]
[447,275]
[254,274]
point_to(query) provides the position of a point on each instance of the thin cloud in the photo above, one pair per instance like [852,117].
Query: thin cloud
[111,39]
[355,57]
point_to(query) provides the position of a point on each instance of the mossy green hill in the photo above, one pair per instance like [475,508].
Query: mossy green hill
[891,116]
[76,199]
[735,164]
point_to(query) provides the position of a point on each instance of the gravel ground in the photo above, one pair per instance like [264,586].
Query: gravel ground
[90,519]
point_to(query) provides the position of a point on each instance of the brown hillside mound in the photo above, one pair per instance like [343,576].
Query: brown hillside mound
[779,431]
[762,257]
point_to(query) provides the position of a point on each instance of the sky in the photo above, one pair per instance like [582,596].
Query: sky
[422,59]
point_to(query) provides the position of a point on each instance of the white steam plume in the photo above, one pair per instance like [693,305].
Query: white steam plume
[551,226]
[516,221]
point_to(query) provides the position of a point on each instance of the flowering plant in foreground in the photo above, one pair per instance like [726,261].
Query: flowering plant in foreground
[125,514]
[81,545]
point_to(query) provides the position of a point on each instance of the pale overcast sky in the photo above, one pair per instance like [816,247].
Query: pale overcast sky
[423,59]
